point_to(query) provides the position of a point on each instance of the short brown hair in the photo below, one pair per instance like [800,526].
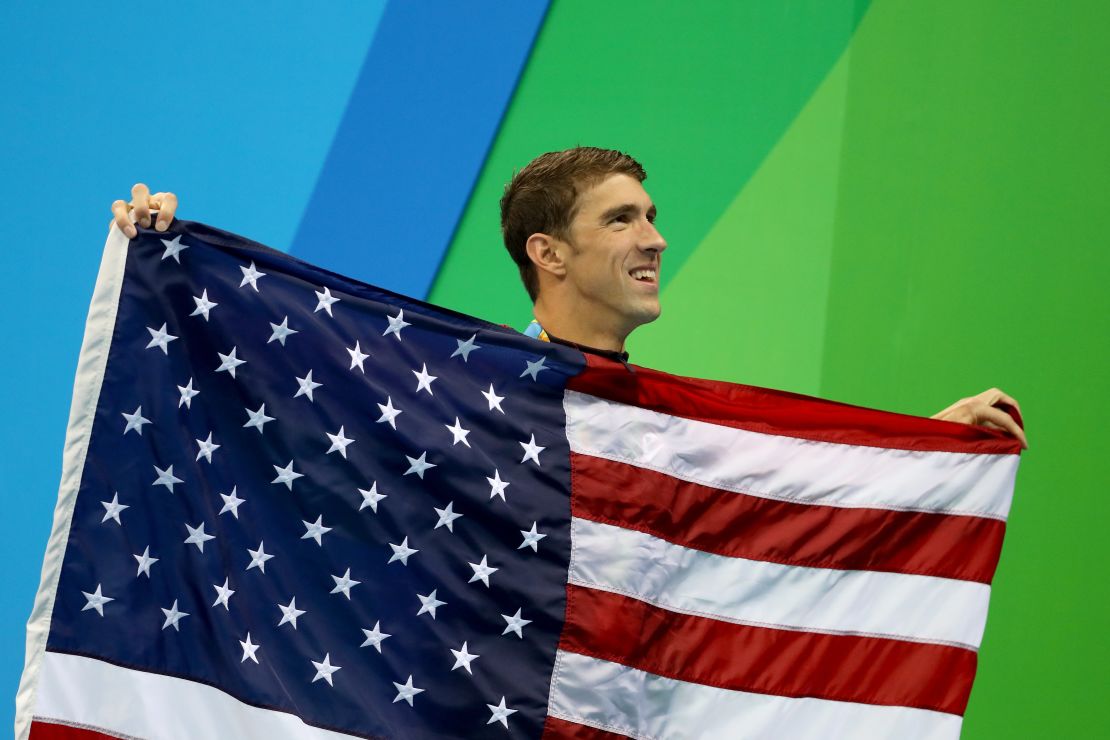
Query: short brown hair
[543,198]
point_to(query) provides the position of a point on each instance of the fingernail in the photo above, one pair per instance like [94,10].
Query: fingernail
[130,231]
[146,222]
[161,226]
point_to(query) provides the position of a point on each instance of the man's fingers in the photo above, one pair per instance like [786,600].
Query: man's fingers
[140,202]
[167,206]
[122,220]
[996,396]
[1008,400]
[999,418]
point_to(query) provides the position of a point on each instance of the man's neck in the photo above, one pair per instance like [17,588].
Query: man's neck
[569,326]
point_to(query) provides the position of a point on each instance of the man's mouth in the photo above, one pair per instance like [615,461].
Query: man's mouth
[643,274]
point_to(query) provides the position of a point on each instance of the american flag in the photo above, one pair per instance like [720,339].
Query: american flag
[295,505]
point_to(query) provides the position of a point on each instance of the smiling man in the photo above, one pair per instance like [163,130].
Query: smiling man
[581,229]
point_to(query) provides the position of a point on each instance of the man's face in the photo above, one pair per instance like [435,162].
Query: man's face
[615,252]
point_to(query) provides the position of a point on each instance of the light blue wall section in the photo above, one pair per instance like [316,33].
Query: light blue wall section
[234,106]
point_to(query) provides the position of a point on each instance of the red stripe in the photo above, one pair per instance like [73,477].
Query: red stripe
[560,729]
[739,525]
[778,412]
[50,731]
[867,670]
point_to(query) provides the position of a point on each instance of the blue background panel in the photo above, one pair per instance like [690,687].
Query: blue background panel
[231,107]
[424,112]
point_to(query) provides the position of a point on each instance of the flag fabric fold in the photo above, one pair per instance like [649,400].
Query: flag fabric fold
[296,505]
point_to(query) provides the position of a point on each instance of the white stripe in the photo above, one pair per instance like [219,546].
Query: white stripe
[920,608]
[98,695]
[86,390]
[617,698]
[791,469]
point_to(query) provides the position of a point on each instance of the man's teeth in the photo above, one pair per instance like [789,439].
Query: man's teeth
[642,274]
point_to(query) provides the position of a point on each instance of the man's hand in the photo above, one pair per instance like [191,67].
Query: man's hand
[984,410]
[126,215]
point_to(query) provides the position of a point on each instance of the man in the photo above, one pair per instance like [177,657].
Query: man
[581,229]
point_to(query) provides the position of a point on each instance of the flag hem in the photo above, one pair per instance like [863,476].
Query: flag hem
[91,365]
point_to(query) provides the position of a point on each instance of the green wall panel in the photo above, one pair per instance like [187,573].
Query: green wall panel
[971,250]
[698,92]
[895,211]
[749,304]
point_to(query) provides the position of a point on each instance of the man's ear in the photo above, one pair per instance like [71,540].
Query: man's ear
[546,253]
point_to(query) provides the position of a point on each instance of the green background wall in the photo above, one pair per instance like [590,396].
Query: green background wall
[889,203]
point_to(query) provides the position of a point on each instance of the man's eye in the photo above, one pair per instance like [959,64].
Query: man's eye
[623,219]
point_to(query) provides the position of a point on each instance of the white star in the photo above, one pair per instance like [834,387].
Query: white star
[281,331]
[389,413]
[447,517]
[173,616]
[357,357]
[135,421]
[419,465]
[429,604]
[306,386]
[424,380]
[315,530]
[406,691]
[338,443]
[207,447]
[159,338]
[251,275]
[112,509]
[371,498]
[493,399]
[500,713]
[401,552]
[187,395]
[145,561]
[259,557]
[325,301]
[531,450]
[249,649]
[324,669]
[290,613]
[344,584]
[229,362]
[534,368]
[497,486]
[463,659]
[465,348]
[231,502]
[516,624]
[166,478]
[531,539]
[396,324]
[203,305]
[174,247]
[482,571]
[197,536]
[258,419]
[96,600]
[223,595]
[287,475]
[375,636]
[458,433]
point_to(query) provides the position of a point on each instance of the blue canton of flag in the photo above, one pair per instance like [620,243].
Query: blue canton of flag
[313,499]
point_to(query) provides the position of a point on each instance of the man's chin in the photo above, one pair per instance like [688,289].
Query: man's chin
[648,314]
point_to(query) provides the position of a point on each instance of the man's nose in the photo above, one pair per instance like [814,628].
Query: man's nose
[652,240]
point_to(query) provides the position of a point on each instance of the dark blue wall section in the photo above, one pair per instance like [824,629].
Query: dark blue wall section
[423,114]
